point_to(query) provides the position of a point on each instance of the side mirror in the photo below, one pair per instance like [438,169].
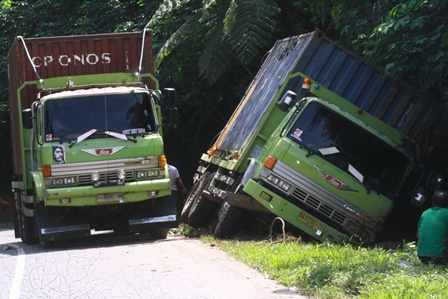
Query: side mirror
[419,197]
[435,180]
[287,100]
[27,118]
[171,116]
[416,164]
[169,95]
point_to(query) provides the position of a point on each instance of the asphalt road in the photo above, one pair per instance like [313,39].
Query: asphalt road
[103,266]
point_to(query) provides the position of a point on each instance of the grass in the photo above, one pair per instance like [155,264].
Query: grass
[6,225]
[338,271]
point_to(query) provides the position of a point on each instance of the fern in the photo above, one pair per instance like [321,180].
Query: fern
[215,57]
[176,38]
[165,8]
[248,25]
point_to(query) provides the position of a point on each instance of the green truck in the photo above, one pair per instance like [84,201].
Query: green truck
[321,139]
[86,124]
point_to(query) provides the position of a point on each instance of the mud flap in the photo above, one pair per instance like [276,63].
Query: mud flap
[154,214]
[54,224]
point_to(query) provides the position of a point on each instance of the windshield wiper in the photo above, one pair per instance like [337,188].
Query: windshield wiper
[83,137]
[329,151]
[89,133]
[323,151]
[120,136]
[360,177]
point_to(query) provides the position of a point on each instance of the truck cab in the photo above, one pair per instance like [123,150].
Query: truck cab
[87,137]
[328,173]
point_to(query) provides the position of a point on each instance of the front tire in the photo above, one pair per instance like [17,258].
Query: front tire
[194,191]
[202,209]
[160,234]
[229,219]
[27,230]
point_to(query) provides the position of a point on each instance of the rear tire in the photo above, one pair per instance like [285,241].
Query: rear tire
[202,210]
[160,234]
[229,219]
[194,191]
[27,230]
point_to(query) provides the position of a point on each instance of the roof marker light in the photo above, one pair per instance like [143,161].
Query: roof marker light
[306,83]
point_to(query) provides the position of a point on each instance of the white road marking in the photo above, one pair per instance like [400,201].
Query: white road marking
[18,276]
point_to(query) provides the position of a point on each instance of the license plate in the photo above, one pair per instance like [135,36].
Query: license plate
[114,197]
[308,221]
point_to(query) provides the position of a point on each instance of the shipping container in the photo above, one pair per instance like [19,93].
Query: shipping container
[343,72]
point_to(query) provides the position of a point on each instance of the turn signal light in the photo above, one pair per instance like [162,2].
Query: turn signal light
[269,163]
[46,170]
[211,151]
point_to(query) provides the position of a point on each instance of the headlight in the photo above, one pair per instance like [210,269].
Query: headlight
[95,176]
[273,179]
[153,173]
[63,181]
[283,185]
[58,181]
[69,181]
[142,174]
[121,174]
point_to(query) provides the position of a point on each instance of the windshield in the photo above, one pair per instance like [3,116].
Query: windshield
[346,145]
[68,118]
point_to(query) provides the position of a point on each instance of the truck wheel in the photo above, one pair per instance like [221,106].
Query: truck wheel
[194,191]
[202,210]
[46,244]
[27,229]
[229,218]
[16,224]
[159,234]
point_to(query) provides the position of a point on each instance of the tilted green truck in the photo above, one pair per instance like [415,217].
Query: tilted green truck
[321,139]
[88,153]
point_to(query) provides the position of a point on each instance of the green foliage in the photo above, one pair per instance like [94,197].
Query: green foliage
[343,271]
[6,225]
[248,25]
[231,31]
[356,22]
[413,43]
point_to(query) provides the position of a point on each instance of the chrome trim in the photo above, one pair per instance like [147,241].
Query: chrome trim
[63,229]
[316,197]
[107,170]
[166,218]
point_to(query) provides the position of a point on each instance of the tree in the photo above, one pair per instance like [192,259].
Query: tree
[413,43]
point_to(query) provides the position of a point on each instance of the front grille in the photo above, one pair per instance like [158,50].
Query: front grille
[86,179]
[317,200]
[107,169]
[318,205]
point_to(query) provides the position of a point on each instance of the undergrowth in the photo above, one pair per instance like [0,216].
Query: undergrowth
[329,270]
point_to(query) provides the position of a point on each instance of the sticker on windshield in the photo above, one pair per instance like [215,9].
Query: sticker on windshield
[297,133]
[134,131]
[59,154]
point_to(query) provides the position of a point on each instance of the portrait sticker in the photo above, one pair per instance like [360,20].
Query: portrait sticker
[59,154]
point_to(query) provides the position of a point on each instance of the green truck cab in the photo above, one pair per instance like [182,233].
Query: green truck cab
[88,148]
[321,139]
[331,171]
